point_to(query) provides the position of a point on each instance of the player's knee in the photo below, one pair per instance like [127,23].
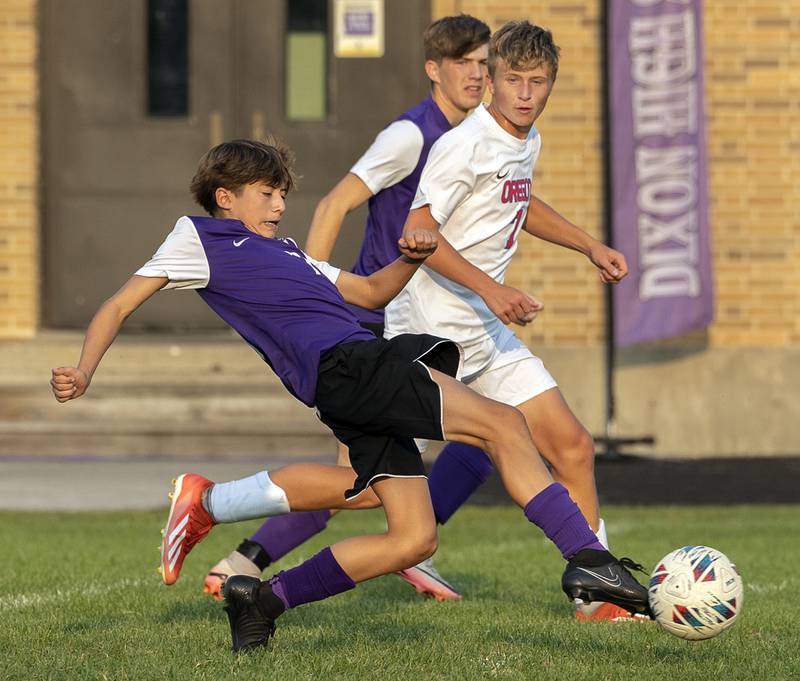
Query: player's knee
[417,547]
[507,423]
[424,547]
[578,452]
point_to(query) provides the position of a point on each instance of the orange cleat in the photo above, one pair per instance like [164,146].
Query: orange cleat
[607,612]
[213,583]
[187,524]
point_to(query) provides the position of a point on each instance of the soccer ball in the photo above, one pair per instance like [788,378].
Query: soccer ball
[695,592]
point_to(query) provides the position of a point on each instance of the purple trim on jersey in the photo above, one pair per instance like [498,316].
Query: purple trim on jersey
[276,300]
[389,208]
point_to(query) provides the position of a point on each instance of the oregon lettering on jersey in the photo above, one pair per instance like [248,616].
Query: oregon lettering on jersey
[516,190]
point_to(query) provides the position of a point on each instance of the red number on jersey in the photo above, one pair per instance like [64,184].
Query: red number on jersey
[518,218]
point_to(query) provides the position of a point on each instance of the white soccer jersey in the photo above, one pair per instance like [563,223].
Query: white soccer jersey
[392,156]
[477,182]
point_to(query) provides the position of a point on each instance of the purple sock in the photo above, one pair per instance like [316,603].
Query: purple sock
[562,521]
[281,534]
[318,578]
[457,472]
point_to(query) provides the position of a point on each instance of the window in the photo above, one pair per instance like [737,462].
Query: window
[307,60]
[167,57]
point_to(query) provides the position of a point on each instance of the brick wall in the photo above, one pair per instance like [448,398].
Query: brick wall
[752,61]
[752,58]
[19,158]
[753,105]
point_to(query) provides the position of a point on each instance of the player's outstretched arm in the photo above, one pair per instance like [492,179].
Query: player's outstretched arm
[547,224]
[330,212]
[69,383]
[376,290]
[509,304]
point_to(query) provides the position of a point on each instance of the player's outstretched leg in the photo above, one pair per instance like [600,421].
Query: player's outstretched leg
[253,606]
[198,504]
[456,473]
[502,432]
[563,441]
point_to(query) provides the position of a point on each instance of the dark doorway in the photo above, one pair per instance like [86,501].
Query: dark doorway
[121,138]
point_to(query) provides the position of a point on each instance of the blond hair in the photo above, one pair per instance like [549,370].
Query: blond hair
[522,45]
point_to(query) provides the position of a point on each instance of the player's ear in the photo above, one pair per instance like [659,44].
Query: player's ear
[432,71]
[223,197]
[490,83]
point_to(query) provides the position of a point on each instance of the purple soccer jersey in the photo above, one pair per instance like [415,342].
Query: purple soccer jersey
[276,297]
[389,208]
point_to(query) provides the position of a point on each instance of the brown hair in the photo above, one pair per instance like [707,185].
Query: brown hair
[234,164]
[522,45]
[453,37]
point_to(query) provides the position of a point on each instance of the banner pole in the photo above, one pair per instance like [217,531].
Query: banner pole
[608,233]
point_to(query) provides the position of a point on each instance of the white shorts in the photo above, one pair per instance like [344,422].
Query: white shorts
[514,376]
[514,383]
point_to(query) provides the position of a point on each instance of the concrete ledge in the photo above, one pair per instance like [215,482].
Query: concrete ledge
[696,402]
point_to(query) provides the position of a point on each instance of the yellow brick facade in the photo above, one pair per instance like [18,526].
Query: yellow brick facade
[19,160]
[752,62]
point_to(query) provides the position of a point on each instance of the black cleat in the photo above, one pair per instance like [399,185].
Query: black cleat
[611,583]
[250,628]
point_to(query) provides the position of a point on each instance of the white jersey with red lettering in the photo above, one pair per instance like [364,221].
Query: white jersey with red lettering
[477,183]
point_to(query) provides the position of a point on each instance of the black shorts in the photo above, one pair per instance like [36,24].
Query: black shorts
[376,327]
[377,396]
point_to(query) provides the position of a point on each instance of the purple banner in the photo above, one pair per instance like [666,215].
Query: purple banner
[659,168]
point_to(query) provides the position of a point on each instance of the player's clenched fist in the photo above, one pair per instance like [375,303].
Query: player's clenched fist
[612,265]
[511,305]
[418,244]
[68,383]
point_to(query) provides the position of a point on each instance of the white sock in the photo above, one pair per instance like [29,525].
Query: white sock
[602,537]
[253,497]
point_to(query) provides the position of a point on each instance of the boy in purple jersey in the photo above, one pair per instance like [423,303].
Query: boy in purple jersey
[387,176]
[375,394]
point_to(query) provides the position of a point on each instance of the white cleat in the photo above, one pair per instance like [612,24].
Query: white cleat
[425,578]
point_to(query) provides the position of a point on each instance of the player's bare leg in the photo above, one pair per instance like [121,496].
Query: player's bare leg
[253,606]
[274,539]
[563,441]
[568,446]
[281,533]
[500,430]
[198,504]
[316,486]
[503,433]
[410,536]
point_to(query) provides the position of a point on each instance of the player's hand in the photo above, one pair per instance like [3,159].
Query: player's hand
[418,244]
[512,306]
[68,383]
[612,265]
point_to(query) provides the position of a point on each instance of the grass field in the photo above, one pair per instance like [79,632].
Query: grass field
[80,599]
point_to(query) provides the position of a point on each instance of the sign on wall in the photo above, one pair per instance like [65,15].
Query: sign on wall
[358,28]
[659,168]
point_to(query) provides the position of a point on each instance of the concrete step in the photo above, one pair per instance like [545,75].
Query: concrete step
[153,396]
